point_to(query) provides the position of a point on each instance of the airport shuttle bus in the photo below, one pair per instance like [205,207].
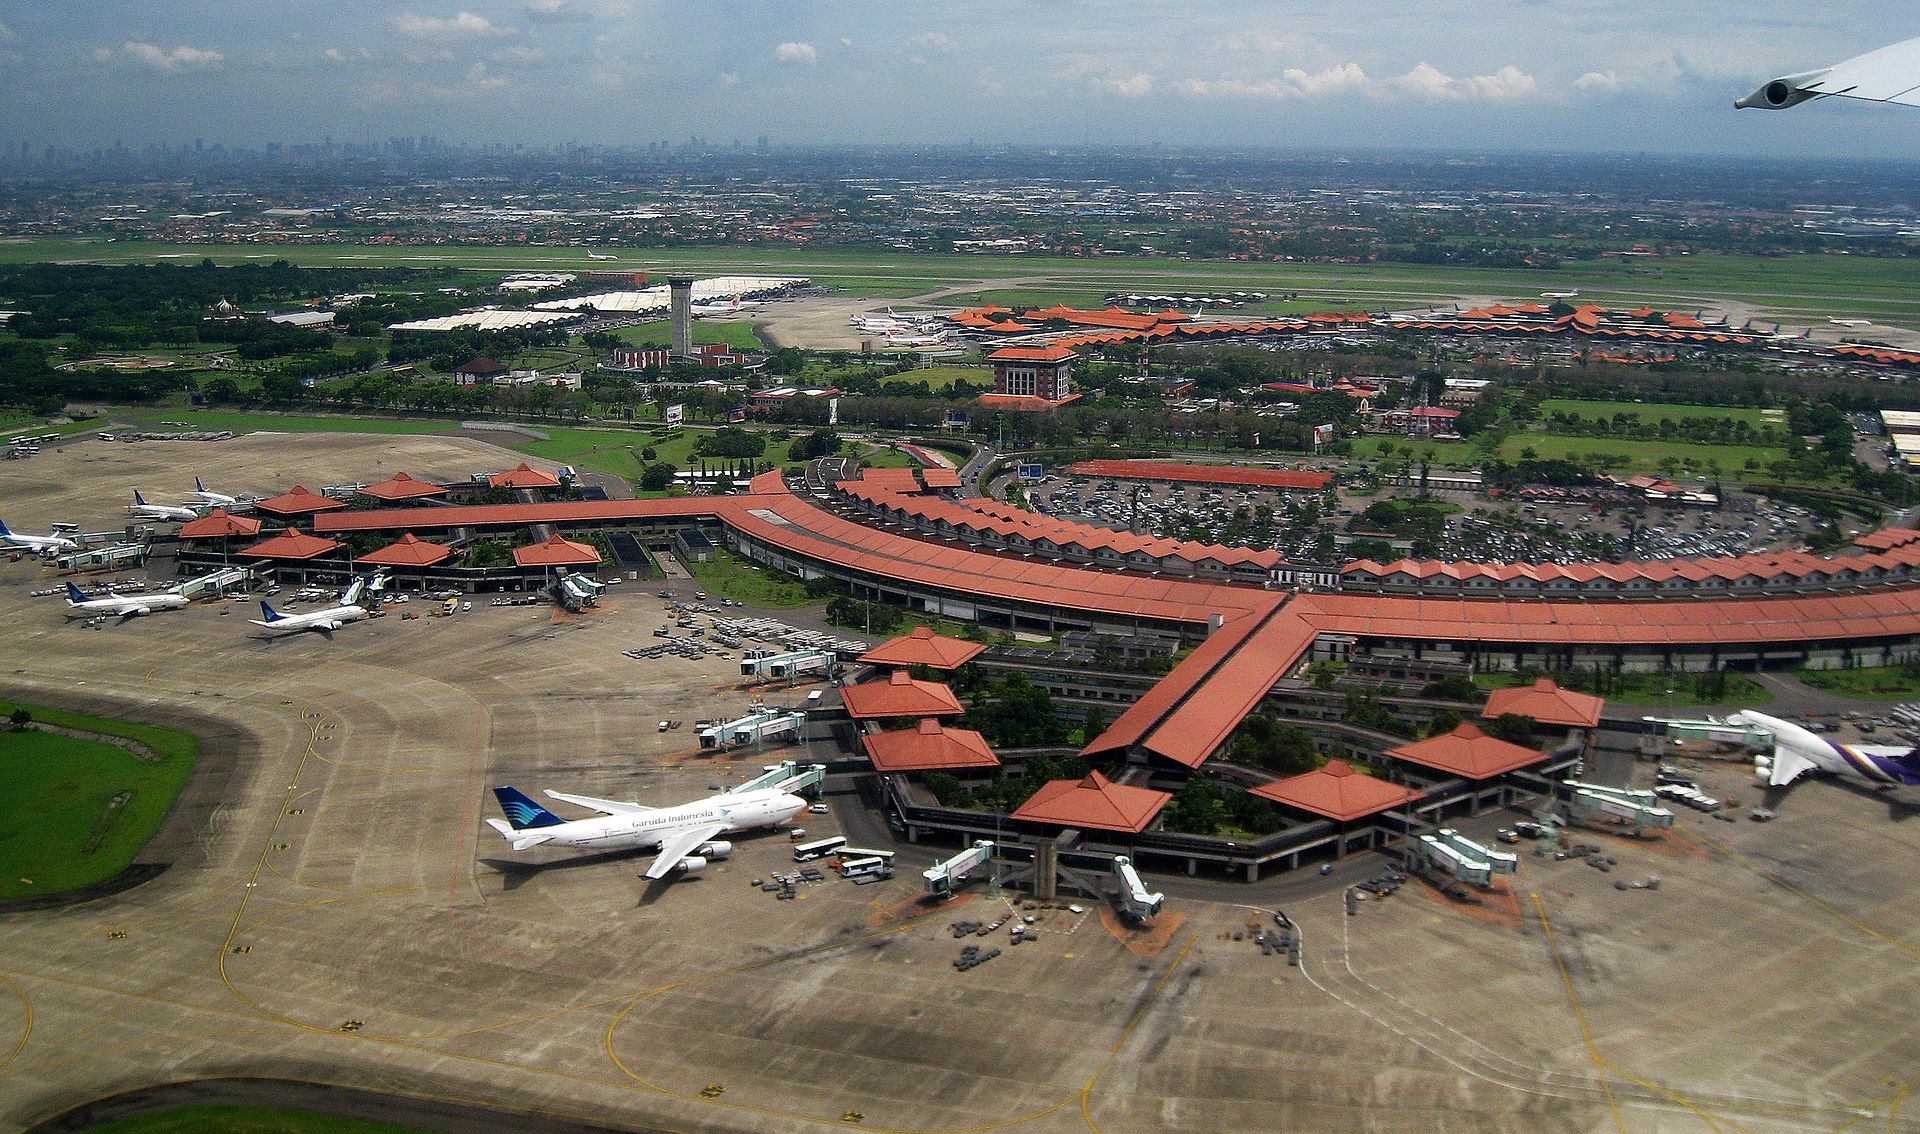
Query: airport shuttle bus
[807,852]
[861,867]
[850,853]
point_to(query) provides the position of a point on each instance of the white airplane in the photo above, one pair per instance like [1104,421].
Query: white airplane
[218,498]
[1797,751]
[165,512]
[917,340]
[601,256]
[1891,74]
[126,606]
[701,310]
[325,621]
[44,545]
[876,325]
[684,834]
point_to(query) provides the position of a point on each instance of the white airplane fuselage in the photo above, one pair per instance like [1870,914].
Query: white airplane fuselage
[1797,751]
[127,606]
[332,618]
[649,829]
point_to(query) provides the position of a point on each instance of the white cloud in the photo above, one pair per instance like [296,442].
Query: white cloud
[934,41]
[1291,83]
[1134,86]
[465,25]
[1508,82]
[800,53]
[1429,82]
[181,59]
[6,33]
[557,12]
[341,58]
[479,77]
[1598,81]
[519,55]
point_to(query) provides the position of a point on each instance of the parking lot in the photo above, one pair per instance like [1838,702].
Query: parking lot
[333,908]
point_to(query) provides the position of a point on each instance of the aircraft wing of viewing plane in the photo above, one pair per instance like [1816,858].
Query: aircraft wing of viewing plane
[1891,74]
[126,606]
[1796,751]
[684,835]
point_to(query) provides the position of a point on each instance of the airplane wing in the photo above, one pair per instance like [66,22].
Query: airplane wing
[1788,766]
[679,846]
[603,806]
[1891,74]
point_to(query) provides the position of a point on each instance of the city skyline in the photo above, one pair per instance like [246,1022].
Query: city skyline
[1601,76]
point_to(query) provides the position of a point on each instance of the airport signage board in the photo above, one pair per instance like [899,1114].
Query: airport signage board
[676,414]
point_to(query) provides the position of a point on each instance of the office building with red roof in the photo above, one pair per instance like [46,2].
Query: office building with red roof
[1034,372]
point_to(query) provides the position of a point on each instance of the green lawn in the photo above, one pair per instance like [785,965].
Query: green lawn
[615,451]
[736,577]
[1652,412]
[1886,683]
[739,336]
[1649,690]
[1641,456]
[56,830]
[227,1118]
[291,423]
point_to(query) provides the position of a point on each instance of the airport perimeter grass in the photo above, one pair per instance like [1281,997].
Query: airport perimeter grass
[238,420]
[729,575]
[1652,412]
[56,830]
[1649,690]
[1642,456]
[739,336]
[1879,683]
[228,1118]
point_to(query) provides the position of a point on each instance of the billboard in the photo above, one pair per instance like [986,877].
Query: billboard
[1032,470]
[676,414]
[1323,435]
[833,411]
[736,414]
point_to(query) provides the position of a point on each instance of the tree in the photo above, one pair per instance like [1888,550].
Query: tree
[1514,728]
[658,477]
[21,718]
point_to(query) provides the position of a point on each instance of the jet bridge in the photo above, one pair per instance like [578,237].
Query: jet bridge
[1135,902]
[788,776]
[946,877]
[217,582]
[1449,852]
[1670,732]
[764,725]
[1627,811]
[787,665]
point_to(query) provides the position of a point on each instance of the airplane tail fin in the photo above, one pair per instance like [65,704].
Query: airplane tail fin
[269,613]
[3,529]
[524,813]
[1909,767]
[198,487]
[139,499]
[73,594]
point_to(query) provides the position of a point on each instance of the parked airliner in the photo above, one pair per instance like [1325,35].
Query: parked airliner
[683,834]
[43,545]
[1796,751]
[166,513]
[126,606]
[325,621]
[217,498]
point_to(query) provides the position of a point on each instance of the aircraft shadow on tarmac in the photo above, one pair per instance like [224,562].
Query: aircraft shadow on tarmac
[1899,809]
[515,874]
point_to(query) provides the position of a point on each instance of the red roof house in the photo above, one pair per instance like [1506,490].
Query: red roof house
[1546,703]
[407,551]
[1338,791]
[556,552]
[899,696]
[220,524]
[1094,802]
[924,647]
[1468,752]
[402,487]
[524,476]
[299,502]
[929,747]
[291,544]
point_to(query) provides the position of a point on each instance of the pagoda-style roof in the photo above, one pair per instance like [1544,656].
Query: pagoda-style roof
[299,502]
[1094,802]
[407,551]
[899,696]
[928,747]
[556,552]
[220,524]
[402,487]
[1338,791]
[924,647]
[1546,703]
[524,475]
[291,544]
[1468,752]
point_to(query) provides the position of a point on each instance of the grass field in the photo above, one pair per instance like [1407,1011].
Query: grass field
[1641,456]
[238,420]
[1805,286]
[739,336]
[1650,412]
[225,1118]
[57,831]
[734,576]
[1650,690]
[615,451]
[1885,683]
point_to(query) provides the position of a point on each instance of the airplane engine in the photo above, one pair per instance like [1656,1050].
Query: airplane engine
[715,850]
[332,624]
[692,864]
[1781,93]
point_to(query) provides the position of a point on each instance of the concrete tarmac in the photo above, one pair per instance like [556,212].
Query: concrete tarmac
[334,910]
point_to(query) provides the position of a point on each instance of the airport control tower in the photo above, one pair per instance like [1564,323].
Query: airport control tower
[680,306]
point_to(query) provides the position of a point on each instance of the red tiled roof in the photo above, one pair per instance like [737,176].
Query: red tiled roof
[899,696]
[1094,802]
[402,487]
[1338,791]
[523,475]
[940,478]
[928,747]
[555,552]
[1202,474]
[407,551]
[1886,539]
[291,544]
[1052,353]
[299,502]
[924,647]
[1468,752]
[219,524]
[1029,402]
[1546,703]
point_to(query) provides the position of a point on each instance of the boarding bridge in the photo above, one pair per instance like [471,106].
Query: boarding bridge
[217,582]
[116,558]
[946,877]
[1627,810]
[1136,903]
[788,664]
[1449,852]
[787,776]
[1679,730]
[574,593]
[764,725]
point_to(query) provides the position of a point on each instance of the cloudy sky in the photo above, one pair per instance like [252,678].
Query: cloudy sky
[1595,75]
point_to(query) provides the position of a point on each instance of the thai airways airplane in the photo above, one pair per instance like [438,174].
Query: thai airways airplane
[43,545]
[700,310]
[1891,74]
[219,498]
[164,512]
[126,606]
[1797,751]
[325,621]
[684,834]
